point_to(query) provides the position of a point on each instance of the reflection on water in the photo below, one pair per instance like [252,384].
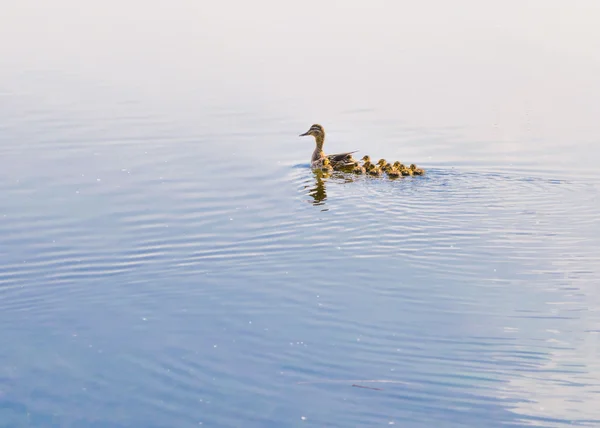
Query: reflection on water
[159,264]
[318,191]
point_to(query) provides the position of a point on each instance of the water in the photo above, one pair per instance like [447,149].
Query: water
[169,259]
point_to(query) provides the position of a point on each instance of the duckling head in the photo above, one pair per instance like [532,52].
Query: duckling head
[381,162]
[316,131]
[366,158]
[413,166]
[397,164]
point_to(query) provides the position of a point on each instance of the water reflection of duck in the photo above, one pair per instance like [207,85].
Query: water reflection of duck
[338,160]
[318,191]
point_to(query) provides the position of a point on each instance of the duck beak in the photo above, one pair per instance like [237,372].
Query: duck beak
[305,134]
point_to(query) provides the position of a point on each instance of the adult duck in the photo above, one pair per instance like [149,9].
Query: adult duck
[337,161]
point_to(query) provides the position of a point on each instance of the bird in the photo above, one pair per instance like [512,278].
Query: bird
[374,171]
[393,172]
[326,165]
[358,169]
[338,160]
[405,171]
[382,163]
[415,170]
[366,161]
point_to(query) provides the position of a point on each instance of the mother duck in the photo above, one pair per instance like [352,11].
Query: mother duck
[338,160]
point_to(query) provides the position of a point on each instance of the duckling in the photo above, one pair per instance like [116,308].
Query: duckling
[366,162]
[326,165]
[382,163]
[415,170]
[405,171]
[393,173]
[358,170]
[397,164]
[374,171]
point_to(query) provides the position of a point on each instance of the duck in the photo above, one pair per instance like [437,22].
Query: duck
[359,170]
[397,165]
[338,160]
[393,173]
[415,170]
[382,163]
[405,171]
[326,165]
[366,162]
[374,171]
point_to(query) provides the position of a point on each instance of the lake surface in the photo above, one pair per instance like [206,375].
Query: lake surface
[168,259]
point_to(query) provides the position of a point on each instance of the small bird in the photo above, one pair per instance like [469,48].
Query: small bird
[366,161]
[358,170]
[393,173]
[405,171]
[415,170]
[326,165]
[374,171]
[382,163]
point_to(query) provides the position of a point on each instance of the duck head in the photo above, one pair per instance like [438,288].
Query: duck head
[316,131]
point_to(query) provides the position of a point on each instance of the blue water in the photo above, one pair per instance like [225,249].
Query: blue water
[168,259]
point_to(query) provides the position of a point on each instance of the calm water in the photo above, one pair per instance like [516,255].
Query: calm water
[168,259]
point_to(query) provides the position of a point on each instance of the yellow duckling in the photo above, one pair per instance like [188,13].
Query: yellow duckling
[382,163]
[405,171]
[393,173]
[374,171]
[366,161]
[326,165]
[358,170]
[397,165]
[415,170]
